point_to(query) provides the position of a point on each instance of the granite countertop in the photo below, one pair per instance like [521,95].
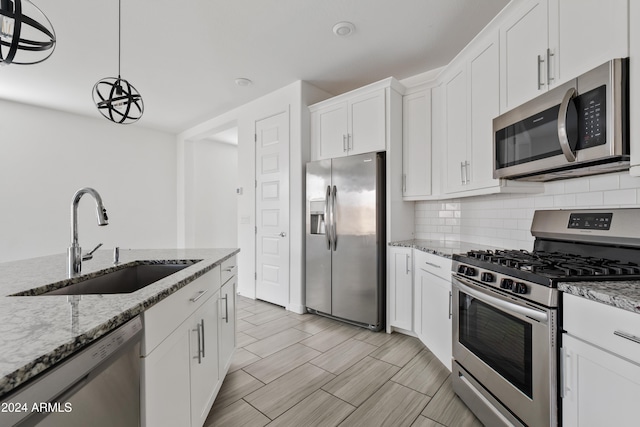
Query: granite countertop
[37,332]
[621,293]
[443,248]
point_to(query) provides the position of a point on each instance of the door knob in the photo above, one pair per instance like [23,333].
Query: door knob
[283,234]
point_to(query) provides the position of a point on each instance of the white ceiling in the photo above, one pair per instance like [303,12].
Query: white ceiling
[183,56]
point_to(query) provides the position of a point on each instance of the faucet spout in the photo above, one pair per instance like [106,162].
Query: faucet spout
[75,252]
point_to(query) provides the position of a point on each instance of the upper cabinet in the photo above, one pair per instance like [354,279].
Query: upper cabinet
[416,145]
[471,101]
[545,43]
[349,124]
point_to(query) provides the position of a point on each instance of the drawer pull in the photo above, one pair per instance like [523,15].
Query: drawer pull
[627,336]
[432,264]
[230,268]
[200,295]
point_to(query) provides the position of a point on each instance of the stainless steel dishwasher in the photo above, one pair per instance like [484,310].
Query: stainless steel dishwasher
[99,386]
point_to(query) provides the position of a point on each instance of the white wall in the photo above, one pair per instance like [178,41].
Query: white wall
[291,98]
[46,155]
[504,220]
[214,176]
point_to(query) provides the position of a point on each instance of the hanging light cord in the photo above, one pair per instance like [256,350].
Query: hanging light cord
[119,34]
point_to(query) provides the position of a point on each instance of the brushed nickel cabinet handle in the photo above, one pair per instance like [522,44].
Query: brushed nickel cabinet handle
[627,336]
[200,295]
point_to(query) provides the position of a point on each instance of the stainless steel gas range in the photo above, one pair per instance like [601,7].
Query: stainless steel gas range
[506,304]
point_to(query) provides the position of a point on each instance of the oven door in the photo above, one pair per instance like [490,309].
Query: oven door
[507,346]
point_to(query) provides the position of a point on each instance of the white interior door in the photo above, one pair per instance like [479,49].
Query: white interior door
[272,209]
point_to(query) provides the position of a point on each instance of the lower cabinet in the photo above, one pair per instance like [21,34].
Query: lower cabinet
[600,364]
[400,292]
[187,348]
[203,355]
[432,304]
[227,322]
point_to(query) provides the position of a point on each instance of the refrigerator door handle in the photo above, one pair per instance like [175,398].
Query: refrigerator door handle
[327,220]
[334,236]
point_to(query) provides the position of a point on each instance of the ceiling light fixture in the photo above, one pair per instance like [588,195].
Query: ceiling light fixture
[26,34]
[116,98]
[344,29]
[243,82]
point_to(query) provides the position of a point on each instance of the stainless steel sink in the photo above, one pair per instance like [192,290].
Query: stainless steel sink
[126,280]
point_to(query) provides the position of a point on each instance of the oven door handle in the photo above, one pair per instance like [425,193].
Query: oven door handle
[507,306]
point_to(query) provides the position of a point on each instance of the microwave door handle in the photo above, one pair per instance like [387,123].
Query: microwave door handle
[562,126]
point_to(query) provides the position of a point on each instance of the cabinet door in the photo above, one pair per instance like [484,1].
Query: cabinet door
[330,131]
[416,144]
[227,322]
[400,288]
[599,388]
[435,326]
[524,42]
[165,382]
[203,350]
[456,131]
[606,24]
[367,123]
[484,106]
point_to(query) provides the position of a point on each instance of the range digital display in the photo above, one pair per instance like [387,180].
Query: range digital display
[590,221]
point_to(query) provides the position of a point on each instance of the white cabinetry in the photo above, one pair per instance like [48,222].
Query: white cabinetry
[548,42]
[416,145]
[187,349]
[400,291]
[432,304]
[227,322]
[600,364]
[471,88]
[354,124]
[203,355]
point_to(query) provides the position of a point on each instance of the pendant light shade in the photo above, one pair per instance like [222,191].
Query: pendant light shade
[26,34]
[116,98]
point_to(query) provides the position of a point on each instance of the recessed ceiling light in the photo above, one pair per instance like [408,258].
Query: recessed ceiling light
[344,29]
[243,82]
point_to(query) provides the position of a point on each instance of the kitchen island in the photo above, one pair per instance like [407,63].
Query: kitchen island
[36,332]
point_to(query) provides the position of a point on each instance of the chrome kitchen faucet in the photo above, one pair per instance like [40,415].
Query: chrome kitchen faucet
[75,251]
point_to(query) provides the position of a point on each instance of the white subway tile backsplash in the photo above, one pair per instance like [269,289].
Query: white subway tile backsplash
[604,182]
[586,200]
[620,197]
[504,220]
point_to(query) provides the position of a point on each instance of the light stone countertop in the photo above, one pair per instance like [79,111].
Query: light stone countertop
[624,294]
[443,248]
[36,332]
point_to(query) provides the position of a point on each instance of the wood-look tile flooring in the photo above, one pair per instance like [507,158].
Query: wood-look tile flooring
[306,370]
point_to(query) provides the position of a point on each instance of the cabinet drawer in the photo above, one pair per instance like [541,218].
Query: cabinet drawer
[434,264]
[602,325]
[164,317]
[229,268]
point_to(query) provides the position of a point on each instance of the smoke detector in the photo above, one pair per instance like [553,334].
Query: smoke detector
[344,29]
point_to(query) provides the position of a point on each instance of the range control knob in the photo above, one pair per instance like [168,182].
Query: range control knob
[462,269]
[470,271]
[487,277]
[506,284]
[520,288]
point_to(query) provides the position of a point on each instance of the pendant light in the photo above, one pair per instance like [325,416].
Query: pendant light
[26,34]
[116,98]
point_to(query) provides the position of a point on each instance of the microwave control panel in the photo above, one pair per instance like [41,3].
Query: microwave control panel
[592,116]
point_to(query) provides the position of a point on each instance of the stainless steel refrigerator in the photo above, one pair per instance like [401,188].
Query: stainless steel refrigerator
[346,239]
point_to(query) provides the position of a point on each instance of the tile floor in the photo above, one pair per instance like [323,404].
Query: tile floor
[306,370]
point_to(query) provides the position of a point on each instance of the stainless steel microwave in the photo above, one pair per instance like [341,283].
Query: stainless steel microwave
[576,129]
